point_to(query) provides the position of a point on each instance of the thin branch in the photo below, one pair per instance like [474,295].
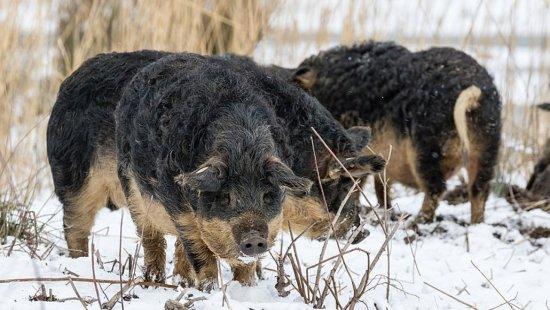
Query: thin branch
[78,294]
[120,261]
[364,280]
[93,274]
[451,296]
[490,282]
[355,185]
[89,280]
[119,295]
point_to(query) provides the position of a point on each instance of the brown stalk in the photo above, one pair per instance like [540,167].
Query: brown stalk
[93,273]
[119,265]
[77,294]
[320,301]
[451,296]
[364,280]
[494,287]
[333,222]
[118,296]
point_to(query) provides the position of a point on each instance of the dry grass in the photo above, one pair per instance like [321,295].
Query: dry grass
[201,26]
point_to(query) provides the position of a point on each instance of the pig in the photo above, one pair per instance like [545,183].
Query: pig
[434,107]
[197,147]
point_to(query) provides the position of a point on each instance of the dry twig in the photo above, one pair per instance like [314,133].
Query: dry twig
[494,287]
[89,280]
[77,294]
[451,296]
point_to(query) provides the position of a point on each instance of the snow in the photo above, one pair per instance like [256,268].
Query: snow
[517,266]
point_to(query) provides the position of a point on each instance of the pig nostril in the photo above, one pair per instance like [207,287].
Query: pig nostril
[253,245]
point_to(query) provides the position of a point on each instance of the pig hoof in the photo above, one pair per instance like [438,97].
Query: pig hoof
[420,219]
[182,281]
[155,275]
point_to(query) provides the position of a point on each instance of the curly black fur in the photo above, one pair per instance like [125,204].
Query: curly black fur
[413,92]
[184,109]
[82,119]
[417,91]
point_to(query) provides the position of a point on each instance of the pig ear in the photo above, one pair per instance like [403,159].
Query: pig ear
[544,106]
[207,178]
[361,136]
[358,167]
[305,77]
[281,174]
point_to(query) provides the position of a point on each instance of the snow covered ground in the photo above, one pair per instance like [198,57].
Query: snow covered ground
[517,266]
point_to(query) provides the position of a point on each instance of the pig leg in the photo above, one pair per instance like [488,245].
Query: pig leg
[478,188]
[152,240]
[154,250]
[202,260]
[482,159]
[430,178]
[204,263]
[182,268]
[77,224]
[79,211]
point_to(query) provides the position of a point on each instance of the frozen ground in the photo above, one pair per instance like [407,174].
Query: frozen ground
[517,266]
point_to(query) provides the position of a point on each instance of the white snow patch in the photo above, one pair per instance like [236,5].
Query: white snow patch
[514,264]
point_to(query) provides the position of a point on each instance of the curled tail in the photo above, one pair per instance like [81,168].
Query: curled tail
[466,101]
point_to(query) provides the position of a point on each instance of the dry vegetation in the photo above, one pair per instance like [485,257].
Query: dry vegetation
[37,53]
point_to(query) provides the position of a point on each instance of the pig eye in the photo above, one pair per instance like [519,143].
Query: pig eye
[225,199]
[269,198]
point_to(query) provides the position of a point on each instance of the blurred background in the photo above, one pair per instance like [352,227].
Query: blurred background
[43,41]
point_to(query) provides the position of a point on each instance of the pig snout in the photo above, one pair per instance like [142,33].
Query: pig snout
[253,244]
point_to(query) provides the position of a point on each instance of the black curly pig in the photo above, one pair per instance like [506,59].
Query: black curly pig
[434,107]
[216,154]
[539,182]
